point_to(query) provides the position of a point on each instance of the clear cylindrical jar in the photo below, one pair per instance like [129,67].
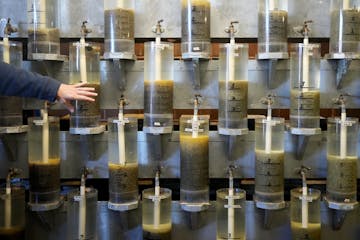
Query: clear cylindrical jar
[233,89]
[44,35]
[44,163]
[119,29]
[86,114]
[156,214]
[11,107]
[194,163]
[82,215]
[344,29]
[342,160]
[305,214]
[269,163]
[230,214]
[272,29]
[123,164]
[158,87]
[195,28]
[305,88]
[12,213]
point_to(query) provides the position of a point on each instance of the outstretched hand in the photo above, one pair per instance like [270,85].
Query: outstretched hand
[66,93]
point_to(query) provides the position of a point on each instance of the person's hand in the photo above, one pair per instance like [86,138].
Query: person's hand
[67,92]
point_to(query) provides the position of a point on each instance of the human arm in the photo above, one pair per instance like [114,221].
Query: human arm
[19,82]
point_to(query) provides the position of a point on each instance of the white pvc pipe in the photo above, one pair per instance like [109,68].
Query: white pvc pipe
[231,212]
[45,136]
[121,139]
[82,213]
[304,206]
[346,4]
[8,207]
[6,50]
[305,65]
[268,134]
[83,74]
[158,58]
[343,135]
[157,204]
[231,61]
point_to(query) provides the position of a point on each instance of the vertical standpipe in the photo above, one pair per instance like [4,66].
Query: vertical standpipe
[158,87]
[305,88]
[269,163]
[119,29]
[272,30]
[86,114]
[344,28]
[44,35]
[195,28]
[233,89]
[342,162]
[194,161]
[123,169]
[44,163]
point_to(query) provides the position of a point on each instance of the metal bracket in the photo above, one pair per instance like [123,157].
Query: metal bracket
[120,66]
[196,73]
[337,218]
[300,139]
[195,219]
[300,142]
[341,66]
[231,144]
[272,63]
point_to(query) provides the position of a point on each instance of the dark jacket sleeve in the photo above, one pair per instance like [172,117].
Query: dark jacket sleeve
[19,82]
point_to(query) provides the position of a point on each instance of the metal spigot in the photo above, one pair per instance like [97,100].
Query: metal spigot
[268,100]
[303,171]
[231,30]
[158,29]
[123,102]
[304,29]
[13,172]
[84,30]
[9,29]
[340,100]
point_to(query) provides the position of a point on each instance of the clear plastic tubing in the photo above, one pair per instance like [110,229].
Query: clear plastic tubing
[86,114]
[269,162]
[11,107]
[158,87]
[44,34]
[237,218]
[305,86]
[341,178]
[272,30]
[156,225]
[119,29]
[73,215]
[123,173]
[194,161]
[44,162]
[344,28]
[233,88]
[12,212]
[195,29]
[312,230]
